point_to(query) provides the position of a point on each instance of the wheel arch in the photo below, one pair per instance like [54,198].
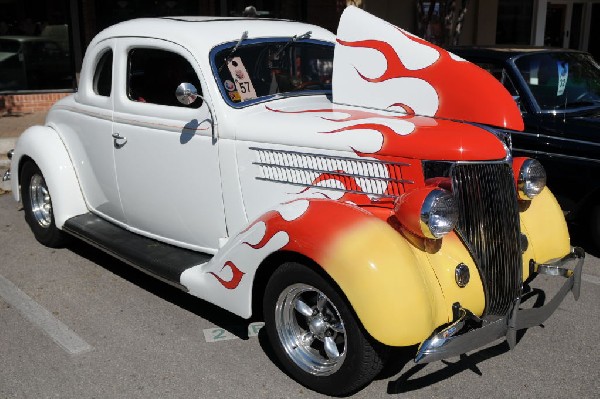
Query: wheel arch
[43,146]
[268,267]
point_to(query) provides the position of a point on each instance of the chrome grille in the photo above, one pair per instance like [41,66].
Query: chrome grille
[489,225]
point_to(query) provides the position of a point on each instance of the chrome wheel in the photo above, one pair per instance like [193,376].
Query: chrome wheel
[310,329]
[39,197]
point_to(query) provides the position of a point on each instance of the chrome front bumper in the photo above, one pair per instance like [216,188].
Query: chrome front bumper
[460,337]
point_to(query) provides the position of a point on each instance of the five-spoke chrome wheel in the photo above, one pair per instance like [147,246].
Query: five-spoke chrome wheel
[39,198]
[314,332]
[310,329]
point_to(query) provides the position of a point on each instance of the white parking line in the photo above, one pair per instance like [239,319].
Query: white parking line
[36,314]
[590,279]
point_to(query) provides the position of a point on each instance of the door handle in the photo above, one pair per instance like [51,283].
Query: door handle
[118,140]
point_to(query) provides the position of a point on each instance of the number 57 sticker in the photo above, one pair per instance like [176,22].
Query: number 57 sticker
[242,81]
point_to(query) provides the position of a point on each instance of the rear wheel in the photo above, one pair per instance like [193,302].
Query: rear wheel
[315,334]
[37,205]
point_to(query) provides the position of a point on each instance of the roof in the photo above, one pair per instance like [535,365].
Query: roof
[204,33]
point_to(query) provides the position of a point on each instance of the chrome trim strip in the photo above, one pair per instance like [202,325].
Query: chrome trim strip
[450,342]
[545,136]
[554,155]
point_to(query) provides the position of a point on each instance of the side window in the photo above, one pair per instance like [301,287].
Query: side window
[103,74]
[153,76]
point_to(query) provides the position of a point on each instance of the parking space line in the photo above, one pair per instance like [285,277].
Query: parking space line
[39,316]
[590,279]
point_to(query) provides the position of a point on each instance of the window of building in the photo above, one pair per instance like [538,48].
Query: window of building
[103,74]
[35,53]
[153,76]
[514,23]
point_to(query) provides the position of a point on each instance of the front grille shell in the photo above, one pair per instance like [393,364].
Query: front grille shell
[488,225]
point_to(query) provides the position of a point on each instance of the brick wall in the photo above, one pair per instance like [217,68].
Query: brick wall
[27,103]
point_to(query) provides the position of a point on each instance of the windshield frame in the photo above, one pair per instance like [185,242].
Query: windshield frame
[215,70]
[512,62]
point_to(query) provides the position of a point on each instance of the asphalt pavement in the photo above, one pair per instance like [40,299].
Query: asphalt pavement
[76,323]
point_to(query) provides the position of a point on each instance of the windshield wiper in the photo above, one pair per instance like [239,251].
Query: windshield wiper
[234,49]
[294,38]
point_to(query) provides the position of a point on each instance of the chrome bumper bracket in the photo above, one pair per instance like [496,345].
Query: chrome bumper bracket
[452,341]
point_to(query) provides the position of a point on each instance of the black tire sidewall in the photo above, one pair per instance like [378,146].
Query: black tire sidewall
[49,236]
[358,368]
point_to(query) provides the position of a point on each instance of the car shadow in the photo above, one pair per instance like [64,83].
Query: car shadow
[465,362]
[219,317]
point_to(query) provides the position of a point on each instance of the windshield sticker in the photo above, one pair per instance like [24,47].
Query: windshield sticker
[241,79]
[234,96]
[563,74]
[229,86]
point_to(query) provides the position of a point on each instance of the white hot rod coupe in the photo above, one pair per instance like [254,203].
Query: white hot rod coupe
[353,189]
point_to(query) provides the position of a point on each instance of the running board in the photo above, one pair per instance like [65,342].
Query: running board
[163,261]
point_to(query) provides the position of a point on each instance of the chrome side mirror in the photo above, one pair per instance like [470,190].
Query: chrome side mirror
[186,93]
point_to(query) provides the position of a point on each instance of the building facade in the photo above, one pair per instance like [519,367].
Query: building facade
[42,42]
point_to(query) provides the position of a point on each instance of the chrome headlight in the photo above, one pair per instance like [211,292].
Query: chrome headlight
[429,212]
[439,214]
[531,180]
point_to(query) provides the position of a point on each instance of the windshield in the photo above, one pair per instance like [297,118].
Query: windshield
[561,80]
[258,70]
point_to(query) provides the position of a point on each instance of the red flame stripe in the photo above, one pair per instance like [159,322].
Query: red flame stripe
[235,279]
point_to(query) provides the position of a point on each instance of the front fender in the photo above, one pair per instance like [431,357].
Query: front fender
[390,283]
[43,145]
[543,223]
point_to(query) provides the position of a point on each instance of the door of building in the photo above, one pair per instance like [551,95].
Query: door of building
[564,24]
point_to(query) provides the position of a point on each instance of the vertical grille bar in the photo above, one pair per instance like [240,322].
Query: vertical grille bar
[489,225]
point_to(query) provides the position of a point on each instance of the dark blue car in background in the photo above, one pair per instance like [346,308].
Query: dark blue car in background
[558,91]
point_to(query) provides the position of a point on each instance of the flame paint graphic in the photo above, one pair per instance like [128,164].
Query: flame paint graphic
[235,279]
[453,94]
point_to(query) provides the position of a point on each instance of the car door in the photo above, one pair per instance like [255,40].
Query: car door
[165,156]
[87,132]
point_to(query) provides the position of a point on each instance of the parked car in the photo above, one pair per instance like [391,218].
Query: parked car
[341,187]
[33,63]
[559,94]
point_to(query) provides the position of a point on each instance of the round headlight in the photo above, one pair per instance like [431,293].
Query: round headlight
[439,214]
[430,212]
[532,179]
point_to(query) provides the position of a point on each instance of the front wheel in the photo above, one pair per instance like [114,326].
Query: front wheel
[37,205]
[315,335]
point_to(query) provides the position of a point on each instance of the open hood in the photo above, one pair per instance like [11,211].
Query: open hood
[379,65]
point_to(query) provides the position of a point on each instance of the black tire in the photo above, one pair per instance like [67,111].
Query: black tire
[40,218]
[359,359]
